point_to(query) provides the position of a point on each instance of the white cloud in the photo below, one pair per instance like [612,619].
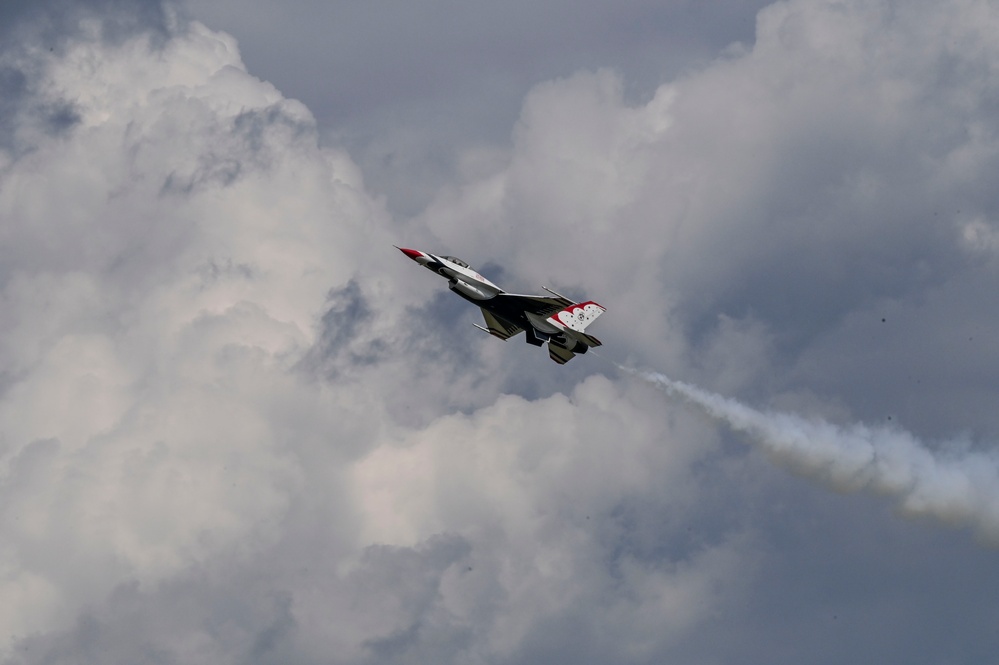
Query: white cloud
[170,259]
[235,424]
[191,270]
[790,182]
[526,484]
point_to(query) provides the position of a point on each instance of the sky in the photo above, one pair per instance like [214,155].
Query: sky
[238,426]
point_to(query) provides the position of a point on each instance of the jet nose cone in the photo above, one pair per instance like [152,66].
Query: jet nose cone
[412,253]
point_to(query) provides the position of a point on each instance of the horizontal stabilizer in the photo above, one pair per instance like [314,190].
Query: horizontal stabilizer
[559,354]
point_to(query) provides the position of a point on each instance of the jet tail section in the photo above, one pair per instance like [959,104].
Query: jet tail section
[559,354]
[578,316]
[572,321]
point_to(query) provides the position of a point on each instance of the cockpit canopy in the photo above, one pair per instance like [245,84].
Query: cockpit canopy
[455,259]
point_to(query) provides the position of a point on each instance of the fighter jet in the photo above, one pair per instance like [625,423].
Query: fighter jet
[553,319]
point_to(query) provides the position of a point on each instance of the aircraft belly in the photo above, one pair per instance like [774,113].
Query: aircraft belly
[541,324]
[503,310]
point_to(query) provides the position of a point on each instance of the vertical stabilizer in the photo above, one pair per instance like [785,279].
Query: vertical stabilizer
[578,316]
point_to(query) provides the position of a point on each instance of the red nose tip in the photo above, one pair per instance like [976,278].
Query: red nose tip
[411,253]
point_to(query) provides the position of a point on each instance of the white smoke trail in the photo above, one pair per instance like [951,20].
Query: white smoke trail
[958,487]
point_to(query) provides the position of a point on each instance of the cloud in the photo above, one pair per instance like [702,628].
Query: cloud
[835,163]
[160,280]
[548,516]
[207,382]
[236,425]
[449,76]
[484,538]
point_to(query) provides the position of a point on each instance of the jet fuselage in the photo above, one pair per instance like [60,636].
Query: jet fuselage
[554,319]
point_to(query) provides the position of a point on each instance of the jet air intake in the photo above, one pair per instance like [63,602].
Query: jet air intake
[466,289]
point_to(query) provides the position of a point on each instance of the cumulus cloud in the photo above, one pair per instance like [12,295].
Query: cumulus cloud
[166,261]
[806,222]
[210,393]
[547,483]
[236,426]
[835,162]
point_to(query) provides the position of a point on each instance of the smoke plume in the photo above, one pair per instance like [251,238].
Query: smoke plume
[953,484]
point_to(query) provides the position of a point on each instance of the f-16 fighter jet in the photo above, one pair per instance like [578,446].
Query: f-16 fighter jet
[554,319]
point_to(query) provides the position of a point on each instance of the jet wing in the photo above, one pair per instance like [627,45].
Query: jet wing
[543,306]
[499,327]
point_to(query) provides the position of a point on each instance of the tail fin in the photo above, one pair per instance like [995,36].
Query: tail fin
[578,316]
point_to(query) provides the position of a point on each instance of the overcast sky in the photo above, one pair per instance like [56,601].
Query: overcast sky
[238,426]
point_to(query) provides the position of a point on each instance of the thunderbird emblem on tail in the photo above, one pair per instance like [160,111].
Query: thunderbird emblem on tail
[554,319]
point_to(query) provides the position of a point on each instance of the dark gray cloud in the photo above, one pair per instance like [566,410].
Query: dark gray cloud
[405,85]
[384,60]
[248,614]
[850,581]
[13,85]
[50,23]
[28,29]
